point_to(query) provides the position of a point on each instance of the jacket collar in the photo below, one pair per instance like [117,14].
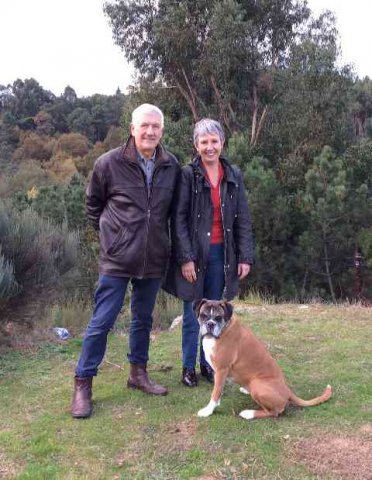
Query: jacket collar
[129,152]
[229,174]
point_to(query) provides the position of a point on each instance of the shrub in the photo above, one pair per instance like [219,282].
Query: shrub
[61,167]
[34,146]
[35,255]
[30,174]
[115,138]
[73,144]
[84,165]
[44,123]
[57,203]
[8,284]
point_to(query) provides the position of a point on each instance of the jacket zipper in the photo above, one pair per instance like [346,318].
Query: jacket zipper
[225,266]
[148,215]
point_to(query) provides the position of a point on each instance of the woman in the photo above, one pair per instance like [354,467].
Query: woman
[212,244]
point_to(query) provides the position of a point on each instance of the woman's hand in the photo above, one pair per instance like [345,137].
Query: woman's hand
[243,270]
[188,271]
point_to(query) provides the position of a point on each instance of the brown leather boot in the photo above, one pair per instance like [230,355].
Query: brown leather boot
[81,406]
[138,378]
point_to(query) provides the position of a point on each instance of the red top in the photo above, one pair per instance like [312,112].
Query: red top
[217,228]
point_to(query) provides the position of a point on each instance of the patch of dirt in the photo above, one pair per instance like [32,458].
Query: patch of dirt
[179,437]
[207,477]
[344,457]
[126,457]
[7,468]
[25,336]
[173,439]
[367,429]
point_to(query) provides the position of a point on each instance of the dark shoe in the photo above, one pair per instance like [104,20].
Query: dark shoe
[207,372]
[189,377]
[138,378]
[82,406]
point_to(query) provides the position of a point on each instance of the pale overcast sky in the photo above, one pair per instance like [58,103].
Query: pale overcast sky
[69,42]
[60,43]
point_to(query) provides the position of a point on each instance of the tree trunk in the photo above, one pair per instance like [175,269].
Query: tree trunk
[221,105]
[328,271]
[358,274]
[360,124]
[304,282]
[260,125]
[254,115]
[190,99]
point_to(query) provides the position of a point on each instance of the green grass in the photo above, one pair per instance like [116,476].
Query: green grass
[134,436]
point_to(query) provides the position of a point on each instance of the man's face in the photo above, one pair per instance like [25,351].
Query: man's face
[147,133]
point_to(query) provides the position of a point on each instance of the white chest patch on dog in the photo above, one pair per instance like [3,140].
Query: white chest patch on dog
[208,347]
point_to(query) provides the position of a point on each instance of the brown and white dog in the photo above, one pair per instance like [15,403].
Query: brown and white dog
[235,353]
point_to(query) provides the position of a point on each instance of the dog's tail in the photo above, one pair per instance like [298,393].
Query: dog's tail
[326,395]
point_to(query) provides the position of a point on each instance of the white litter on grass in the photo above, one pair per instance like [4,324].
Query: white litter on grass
[62,333]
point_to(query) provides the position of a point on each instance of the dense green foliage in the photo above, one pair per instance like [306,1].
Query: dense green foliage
[29,106]
[298,124]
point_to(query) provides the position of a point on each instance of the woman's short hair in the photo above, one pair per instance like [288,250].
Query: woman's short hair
[208,126]
[146,109]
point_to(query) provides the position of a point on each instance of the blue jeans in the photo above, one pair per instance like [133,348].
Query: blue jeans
[109,299]
[214,282]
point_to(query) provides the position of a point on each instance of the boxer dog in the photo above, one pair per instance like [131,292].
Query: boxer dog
[234,352]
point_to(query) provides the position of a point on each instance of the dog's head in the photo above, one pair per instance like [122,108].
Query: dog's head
[213,316]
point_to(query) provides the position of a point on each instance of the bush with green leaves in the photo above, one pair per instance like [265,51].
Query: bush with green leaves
[35,255]
[58,203]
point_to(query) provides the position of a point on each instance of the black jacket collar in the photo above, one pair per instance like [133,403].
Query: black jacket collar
[229,173]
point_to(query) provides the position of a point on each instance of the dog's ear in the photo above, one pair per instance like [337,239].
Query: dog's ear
[228,309]
[197,306]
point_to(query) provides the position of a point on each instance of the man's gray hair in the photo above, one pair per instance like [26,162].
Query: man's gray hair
[208,126]
[146,109]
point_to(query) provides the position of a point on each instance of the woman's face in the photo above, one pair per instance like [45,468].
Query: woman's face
[209,147]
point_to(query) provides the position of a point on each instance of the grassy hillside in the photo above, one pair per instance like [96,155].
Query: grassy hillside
[133,436]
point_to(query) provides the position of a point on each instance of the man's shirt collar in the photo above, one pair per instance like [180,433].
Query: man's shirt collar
[143,160]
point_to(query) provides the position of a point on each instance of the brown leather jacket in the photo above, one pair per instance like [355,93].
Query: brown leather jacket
[133,222]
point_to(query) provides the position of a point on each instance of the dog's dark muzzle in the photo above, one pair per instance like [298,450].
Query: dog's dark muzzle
[210,326]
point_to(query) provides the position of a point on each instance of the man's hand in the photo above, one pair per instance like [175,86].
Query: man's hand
[243,270]
[188,271]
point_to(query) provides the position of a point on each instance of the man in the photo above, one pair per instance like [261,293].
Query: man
[129,201]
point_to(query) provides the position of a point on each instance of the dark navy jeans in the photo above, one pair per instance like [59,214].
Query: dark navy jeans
[109,298]
[214,283]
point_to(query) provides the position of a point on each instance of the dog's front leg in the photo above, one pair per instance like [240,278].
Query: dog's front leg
[219,381]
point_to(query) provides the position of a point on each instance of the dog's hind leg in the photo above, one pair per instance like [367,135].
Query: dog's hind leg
[268,397]
[252,414]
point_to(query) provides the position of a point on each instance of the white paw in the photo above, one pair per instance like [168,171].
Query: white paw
[209,409]
[205,412]
[247,414]
[244,390]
